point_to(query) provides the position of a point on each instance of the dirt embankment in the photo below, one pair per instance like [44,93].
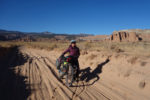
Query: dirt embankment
[12,85]
[31,74]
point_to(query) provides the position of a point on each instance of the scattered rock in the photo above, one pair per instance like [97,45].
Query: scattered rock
[53,97]
[142,84]
[127,74]
[143,63]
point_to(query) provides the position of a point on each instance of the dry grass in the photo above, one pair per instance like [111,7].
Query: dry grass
[116,48]
[143,63]
[133,60]
[92,56]
[37,45]
[136,48]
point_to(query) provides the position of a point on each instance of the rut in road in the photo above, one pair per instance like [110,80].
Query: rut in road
[44,82]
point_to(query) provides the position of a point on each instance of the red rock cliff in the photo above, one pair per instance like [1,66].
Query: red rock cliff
[124,36]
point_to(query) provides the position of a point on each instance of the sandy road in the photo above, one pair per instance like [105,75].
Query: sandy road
[44,82]
[33,76]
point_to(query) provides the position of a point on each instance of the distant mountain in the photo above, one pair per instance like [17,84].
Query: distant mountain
[47,32]
[36,36]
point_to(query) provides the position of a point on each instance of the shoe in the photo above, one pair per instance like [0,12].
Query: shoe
[76,79]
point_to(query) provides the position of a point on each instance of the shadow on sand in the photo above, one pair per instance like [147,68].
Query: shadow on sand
[87,75]
[12,85]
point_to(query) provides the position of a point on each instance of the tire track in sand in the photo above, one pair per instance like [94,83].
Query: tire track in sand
[45,83]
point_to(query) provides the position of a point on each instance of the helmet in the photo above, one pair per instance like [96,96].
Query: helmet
[73,41]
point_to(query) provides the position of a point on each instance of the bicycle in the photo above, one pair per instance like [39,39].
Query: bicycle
[67,69]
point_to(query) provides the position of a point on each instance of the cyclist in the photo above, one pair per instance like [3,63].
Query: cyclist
[75,53]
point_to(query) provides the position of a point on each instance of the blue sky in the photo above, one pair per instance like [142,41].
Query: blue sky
[74,16]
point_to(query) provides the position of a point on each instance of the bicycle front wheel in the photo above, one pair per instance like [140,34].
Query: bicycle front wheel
[70,75]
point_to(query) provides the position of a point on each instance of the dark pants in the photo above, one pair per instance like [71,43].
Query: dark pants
[76,62]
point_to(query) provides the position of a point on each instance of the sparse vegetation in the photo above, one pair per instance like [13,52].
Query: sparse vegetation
[133,60]
[134,48]
[37,45]
[143,63]
[92,56]
[116,49]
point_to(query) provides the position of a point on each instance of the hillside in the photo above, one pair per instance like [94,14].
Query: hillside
[130,35]
[36,36]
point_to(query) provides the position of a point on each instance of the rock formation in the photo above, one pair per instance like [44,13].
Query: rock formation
[123,36]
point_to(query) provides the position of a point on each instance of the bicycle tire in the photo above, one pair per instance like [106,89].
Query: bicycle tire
[69,75]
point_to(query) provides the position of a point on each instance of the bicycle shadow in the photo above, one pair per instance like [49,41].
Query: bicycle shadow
[87,74]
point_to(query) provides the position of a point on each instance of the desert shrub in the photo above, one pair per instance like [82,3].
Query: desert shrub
[133,60]
[87,45]
[53,46]
[112,47]
[115,48]
[118,50]
[143,63]
[92,56]
[84,52]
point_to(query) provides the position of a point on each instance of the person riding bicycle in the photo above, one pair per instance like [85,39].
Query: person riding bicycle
[75,53]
